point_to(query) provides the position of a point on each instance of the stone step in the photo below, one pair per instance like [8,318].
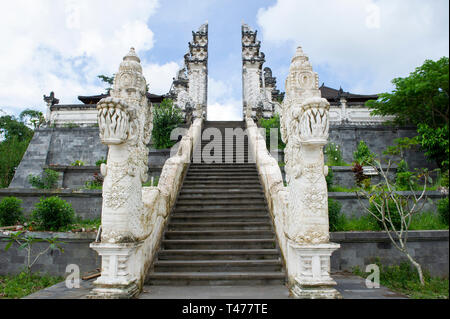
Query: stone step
[223,178]
[214,171]
[223,166]
[219,234]
[218,218]
[222,188]
[259,265]
[216,278]
[220,209]
[220,196]
[214,202]
[221,206]
[218,243]
[218,254]
[222,191]
[239,225]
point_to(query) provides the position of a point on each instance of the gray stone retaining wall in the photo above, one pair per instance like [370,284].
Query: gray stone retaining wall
[351,207]
[86,203]
[429,248]
[76,251]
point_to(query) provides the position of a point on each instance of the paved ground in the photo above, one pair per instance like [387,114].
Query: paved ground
[349,285]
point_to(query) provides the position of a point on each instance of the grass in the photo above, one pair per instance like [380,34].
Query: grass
[78,224]
[422,221]
[23,284]
[337,188]
[404,279]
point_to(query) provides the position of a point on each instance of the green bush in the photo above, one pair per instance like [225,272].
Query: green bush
[77,163]
[394,213]
[442,209]
[100,162]
[166,117]
[334,212]
[329,179]
[273,122]
[48,180]
[363,155]
[10,211]
[333,155]
[405,181]
[53,213]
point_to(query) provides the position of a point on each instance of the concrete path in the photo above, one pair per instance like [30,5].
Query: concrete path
[349,285]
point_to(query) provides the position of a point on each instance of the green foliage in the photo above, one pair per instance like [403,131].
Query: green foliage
[96,183]
[329,178]
[404,179]
[390,210]
[404,279]
[100,162]
[53,213]
[333,155]
[70,125]
[24,284]
[273,122]
[10,211]
[401,145]
[436,143]
[363,155]
[362,223]
[166,117]
[428,221]
[421,99]
[48,180]
[77,163]
[11,127]
[11,153]
[443,209]
[32,118]
[151,182]
[341,189]
[334,211]
[107,79]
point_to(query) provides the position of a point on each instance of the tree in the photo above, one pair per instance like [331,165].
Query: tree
[107,79]
[14,139]
[421,99]
[166,117]
[32,117]
[394,210]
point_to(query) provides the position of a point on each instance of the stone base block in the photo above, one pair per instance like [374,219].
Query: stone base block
[114,291]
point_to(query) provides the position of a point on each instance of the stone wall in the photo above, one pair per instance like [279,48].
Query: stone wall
[429,248]
[86,203]
[76,251]
[57,148]
[357,249]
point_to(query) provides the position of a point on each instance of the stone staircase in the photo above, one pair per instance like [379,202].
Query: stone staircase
[220,232]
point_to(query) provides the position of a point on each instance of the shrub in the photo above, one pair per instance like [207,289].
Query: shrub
[333,154]
[96,183]
[166,117]
[329,178]
[404,181]
[360,178]
[47,181]
[363,155]
[393,211]
[443,209]
[10,211]
[53,213]
[100,162]
[273,122]
[77,163]
[334,212]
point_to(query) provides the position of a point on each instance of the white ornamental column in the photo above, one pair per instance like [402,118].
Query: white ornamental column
[125,125]
[304,125]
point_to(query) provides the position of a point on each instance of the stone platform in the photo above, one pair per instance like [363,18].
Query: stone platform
[349,285]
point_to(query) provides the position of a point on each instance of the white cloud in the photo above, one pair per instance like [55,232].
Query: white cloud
[221,104]
[365,42]
[159,77]
[62,46]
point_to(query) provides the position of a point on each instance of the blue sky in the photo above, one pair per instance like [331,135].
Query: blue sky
[62,45]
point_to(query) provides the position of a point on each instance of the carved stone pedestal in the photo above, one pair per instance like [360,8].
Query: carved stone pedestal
[309,270]
[119,277]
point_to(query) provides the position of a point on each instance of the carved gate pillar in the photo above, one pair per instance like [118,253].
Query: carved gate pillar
[304,129]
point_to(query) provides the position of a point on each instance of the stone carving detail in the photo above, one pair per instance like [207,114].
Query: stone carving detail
[257,86]
[50,100]
[304,129]
[125,125]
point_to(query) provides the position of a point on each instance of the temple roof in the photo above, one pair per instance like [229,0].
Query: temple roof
[335,95]
[94,99]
